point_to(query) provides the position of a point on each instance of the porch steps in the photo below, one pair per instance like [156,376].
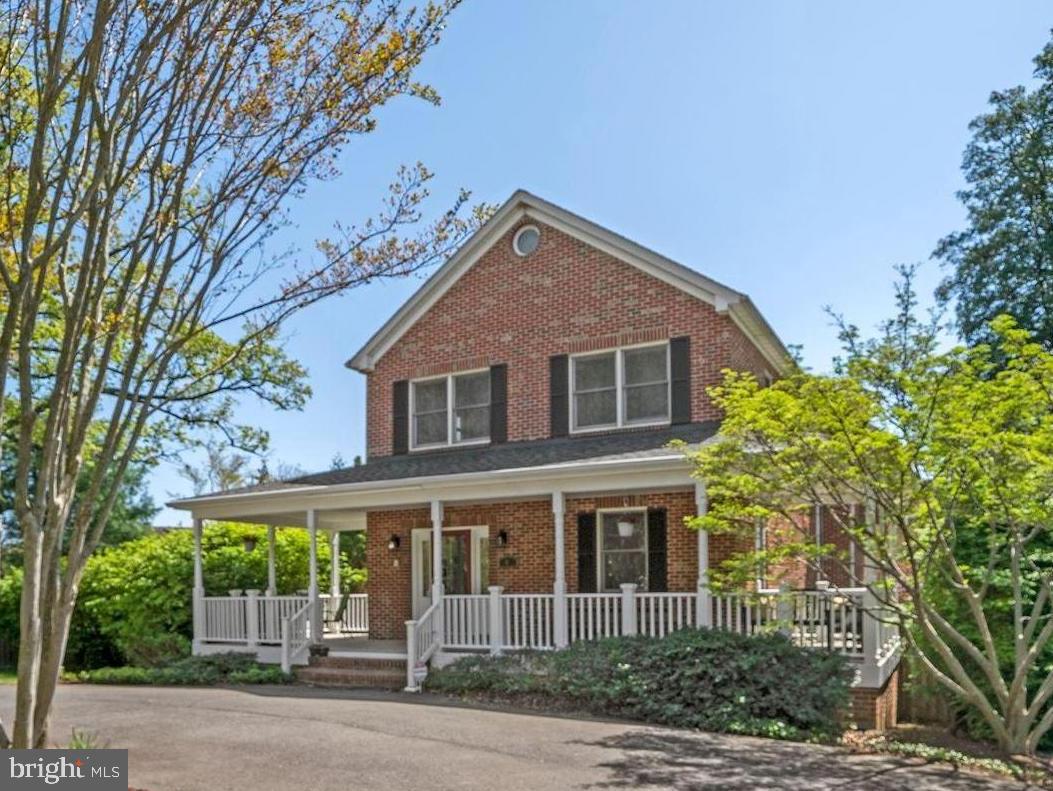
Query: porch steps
[351,672]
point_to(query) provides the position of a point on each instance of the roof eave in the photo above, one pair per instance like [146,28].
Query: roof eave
[587,467]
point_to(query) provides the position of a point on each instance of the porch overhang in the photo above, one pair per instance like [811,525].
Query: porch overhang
[337,505]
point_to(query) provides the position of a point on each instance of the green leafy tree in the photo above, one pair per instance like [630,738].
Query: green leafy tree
[148,154]
[951,454]
[136,599]
[133,507]
[1002,261]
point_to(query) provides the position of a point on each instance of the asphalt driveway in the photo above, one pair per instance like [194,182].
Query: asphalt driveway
[276,738]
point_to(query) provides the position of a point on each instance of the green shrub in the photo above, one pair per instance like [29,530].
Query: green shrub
[712,680]
[229,668]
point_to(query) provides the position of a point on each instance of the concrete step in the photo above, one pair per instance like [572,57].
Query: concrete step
[376,678]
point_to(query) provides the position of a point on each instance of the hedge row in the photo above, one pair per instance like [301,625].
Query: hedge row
[228,668]
[712,680]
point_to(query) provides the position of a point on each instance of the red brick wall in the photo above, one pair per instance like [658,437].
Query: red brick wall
[876,709]
[530,543]
[566,297]
[842,567]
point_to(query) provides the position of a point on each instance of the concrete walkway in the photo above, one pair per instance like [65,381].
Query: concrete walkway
[277,738]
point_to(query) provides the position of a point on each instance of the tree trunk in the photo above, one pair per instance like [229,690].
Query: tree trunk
[29,639]
[54,649]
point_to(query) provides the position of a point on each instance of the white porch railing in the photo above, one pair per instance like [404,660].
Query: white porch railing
[255,619]
[658,614]
[273,611]
[591,616]
[527,620]
[355,617]
[423,638]
[226,619]
[836,620]
[296,636]
[466,621]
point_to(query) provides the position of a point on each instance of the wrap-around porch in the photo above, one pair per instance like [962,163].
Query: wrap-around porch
[449,616]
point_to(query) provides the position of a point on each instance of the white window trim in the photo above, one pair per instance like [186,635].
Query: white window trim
[619,394]
[450,411]
[600,588]
[519,233]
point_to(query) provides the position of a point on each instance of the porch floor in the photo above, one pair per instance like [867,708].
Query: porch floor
[362,646]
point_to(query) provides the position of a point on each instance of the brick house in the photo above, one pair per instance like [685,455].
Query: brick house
[520,409]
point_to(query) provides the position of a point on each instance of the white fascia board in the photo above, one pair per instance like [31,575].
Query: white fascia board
[636,474]
[750,320]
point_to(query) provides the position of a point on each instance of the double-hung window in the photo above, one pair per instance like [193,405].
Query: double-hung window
[451,410]
[624,387]
[622,549]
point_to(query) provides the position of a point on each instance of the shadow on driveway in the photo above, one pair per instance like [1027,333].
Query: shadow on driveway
[697,760]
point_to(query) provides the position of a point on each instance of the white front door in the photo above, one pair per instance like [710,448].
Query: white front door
[465,563]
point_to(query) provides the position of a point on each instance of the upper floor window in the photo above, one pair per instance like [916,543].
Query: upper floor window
[451,410]
[624,387]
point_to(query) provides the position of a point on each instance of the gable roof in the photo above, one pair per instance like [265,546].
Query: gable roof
[523,205]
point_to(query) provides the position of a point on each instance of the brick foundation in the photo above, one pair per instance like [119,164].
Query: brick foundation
[876,709]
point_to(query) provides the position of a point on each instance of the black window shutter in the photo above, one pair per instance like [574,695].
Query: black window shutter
[400,417]
[680,379]
[499,403]
[656,551]
[559,401]
[587,553]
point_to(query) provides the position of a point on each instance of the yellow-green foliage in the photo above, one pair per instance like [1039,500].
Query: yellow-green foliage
[135,601]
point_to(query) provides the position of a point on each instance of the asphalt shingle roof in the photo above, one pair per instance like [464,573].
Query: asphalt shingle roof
[623,445]
[514,455]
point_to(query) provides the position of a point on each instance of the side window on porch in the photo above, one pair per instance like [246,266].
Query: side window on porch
[623,549]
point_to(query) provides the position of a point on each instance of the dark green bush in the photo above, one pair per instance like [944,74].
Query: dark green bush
[229,668]
[711,680]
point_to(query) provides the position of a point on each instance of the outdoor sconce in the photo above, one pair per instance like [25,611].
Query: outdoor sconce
[249,542]
[393,542]
[502,538]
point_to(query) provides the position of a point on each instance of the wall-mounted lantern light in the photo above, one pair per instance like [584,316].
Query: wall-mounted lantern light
[249,542]
[393,542]
[502,538]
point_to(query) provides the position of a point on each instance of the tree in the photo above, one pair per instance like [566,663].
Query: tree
[950,453]
[223,469]
[148,152]
[1002,262]
[130,516]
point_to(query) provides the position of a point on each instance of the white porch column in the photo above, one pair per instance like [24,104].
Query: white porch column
[199,588]
[559,584]
[312,582]
[272,574]
[436,565]
[334,566]
[629,624]
[703,601]
[497,638]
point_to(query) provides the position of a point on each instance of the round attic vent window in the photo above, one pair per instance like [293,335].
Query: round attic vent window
[526,239]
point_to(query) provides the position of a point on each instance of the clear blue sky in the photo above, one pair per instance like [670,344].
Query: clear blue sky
[793,150]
